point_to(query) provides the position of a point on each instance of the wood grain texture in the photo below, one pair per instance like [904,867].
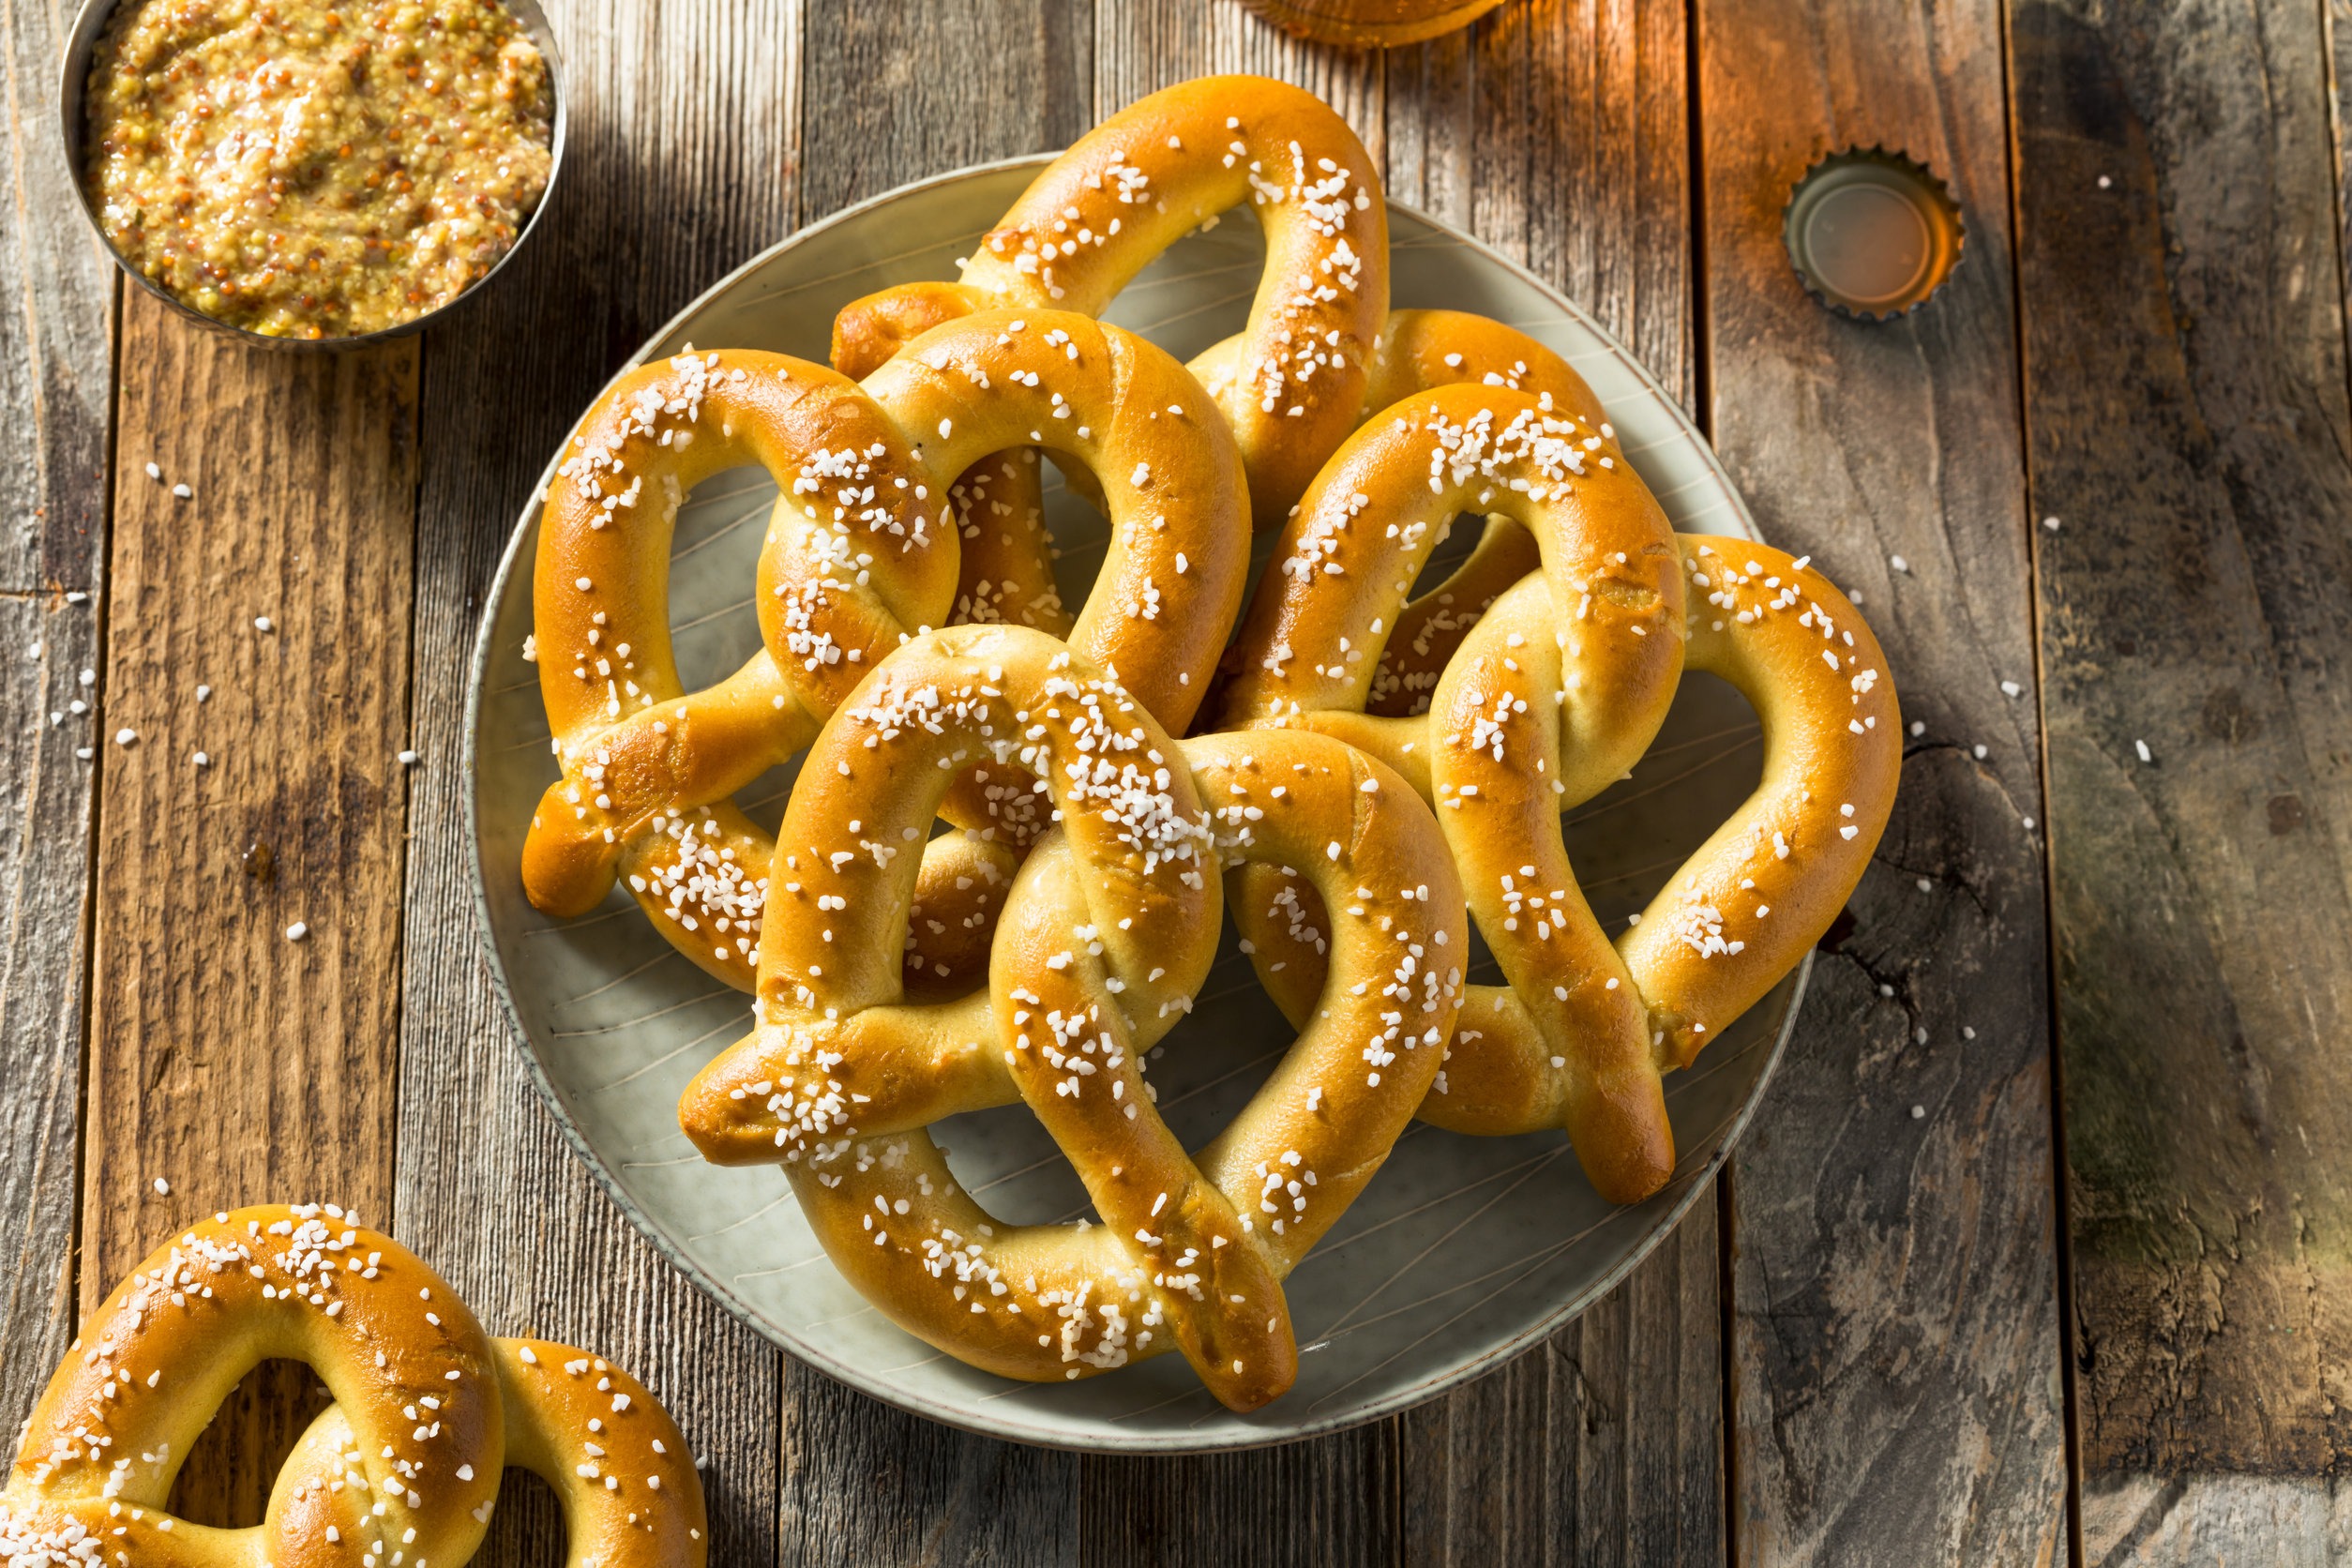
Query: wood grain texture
[1559,131]
[1898,1386]
[2184,334]
[55,353]
[225,1060]
[684,116]
[895,93]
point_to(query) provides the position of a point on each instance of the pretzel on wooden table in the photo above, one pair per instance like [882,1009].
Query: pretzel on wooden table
[1548,699]
[1108,933]
[857,557]
[404,1469]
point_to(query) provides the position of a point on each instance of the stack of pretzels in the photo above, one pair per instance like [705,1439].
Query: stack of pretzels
[1356,774]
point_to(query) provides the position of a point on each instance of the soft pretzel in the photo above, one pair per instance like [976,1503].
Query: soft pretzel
[1108,931]
[402,1470]
[1585,654]
[1582,1033]
[1138,182]
[859,554]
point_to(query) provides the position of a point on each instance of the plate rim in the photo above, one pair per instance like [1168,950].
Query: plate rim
[1398,1401]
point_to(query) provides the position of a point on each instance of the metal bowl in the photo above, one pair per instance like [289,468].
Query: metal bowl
[73,89]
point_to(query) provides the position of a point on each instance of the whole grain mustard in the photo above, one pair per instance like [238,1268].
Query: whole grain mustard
[312,170]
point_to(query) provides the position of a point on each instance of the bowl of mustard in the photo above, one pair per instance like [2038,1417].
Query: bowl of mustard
[312,173]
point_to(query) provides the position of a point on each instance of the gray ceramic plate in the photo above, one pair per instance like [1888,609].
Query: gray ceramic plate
[1463,1253]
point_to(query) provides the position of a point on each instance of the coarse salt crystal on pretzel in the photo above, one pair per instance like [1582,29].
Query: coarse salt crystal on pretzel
[403,1468]
[1550,696]
[859,555]
[1107,935]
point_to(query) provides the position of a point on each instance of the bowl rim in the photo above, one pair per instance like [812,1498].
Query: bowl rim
[1694,1181]
[73,80]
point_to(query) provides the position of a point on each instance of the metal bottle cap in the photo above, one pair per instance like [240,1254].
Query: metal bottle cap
[1871,233]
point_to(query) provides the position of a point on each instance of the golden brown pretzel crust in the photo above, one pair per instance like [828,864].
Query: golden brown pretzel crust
[859,552]
[1738,916]
[1136,184]
[1309,651]
[1416,351]
[403,1468]
[1539,706]
[1108,930]
[648,769]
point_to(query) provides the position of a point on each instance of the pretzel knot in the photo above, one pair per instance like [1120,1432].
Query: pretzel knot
[1108,931]
[1543,700]
[402,1470]
[861,552]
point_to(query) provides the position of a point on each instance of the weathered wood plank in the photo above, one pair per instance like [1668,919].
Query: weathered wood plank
[2185,351]
[1559,131]
[684,117]
[1897,1393]
[894,93]
[55,395]
[225,1060]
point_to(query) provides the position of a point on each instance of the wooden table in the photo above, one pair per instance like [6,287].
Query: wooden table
[2095,497]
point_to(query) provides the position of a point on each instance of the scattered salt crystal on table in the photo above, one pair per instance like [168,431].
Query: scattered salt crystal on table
[2145,756]
[154,473]
[124,736]
[204,694]
[202,760]
[183,491]
[408,759]
[2050,523]
[163,1186]
[1898,563]
[261,623]
[1919,1113]
[296,931]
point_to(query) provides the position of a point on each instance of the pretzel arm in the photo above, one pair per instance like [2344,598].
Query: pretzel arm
[1760,893]
[607,1449]
[1494,731]
[1373,1031]
[1007,572]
